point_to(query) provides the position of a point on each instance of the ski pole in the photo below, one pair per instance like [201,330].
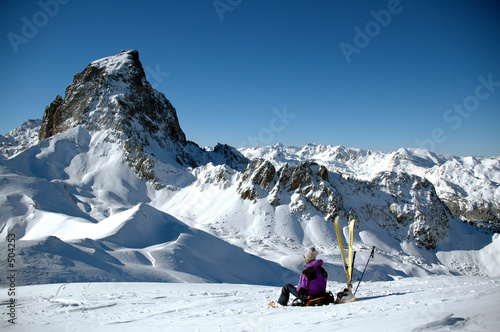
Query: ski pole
[362,274]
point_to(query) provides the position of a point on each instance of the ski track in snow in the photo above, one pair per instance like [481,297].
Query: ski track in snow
[441,303]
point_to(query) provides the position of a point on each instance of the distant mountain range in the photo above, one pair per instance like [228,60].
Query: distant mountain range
[107,187]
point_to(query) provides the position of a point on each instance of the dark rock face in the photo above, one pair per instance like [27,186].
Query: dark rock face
[406,206]
[51,118]
[417,208]
[230,156]
[307,179]
[484,215]
[113,93]
[260,175]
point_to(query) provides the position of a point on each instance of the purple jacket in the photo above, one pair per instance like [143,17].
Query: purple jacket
[313,279]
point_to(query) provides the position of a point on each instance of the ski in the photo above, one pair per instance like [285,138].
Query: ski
[341,244]
[353,260]
[362,274]
[351,257]
[346,295]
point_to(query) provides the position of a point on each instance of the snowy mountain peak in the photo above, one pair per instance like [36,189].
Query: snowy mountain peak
[19,139]
[119,63]
[113,94]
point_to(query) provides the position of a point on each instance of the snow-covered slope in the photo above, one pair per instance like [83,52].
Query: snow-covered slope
[114,191]
[140,244]
[411,304]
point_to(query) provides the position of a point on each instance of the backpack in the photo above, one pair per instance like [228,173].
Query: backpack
[324,298]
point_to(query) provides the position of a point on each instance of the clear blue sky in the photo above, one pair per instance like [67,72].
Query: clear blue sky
[246,72]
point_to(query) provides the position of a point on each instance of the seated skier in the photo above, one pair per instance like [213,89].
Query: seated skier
[312,281]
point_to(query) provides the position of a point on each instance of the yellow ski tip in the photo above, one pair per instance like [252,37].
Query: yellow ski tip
[273,304]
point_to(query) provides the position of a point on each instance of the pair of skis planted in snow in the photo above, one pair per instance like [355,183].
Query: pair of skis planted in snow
[348,265]
[348,296]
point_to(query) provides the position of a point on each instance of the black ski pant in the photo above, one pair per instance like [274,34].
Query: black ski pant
[285,294]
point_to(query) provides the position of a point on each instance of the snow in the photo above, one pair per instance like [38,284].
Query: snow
[115,63]
[490,257]
[440,303]
[100,248]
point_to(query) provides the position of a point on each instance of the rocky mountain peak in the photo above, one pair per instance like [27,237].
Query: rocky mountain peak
[113,93]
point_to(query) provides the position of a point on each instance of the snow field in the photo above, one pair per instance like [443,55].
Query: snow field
[441,303]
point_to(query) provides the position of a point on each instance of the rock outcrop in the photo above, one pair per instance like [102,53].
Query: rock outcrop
[305,183]
[113,93]
[406,206]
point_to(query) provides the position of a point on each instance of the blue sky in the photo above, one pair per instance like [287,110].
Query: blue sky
[377,75]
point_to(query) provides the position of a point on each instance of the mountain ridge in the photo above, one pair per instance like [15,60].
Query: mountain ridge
[449,174]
